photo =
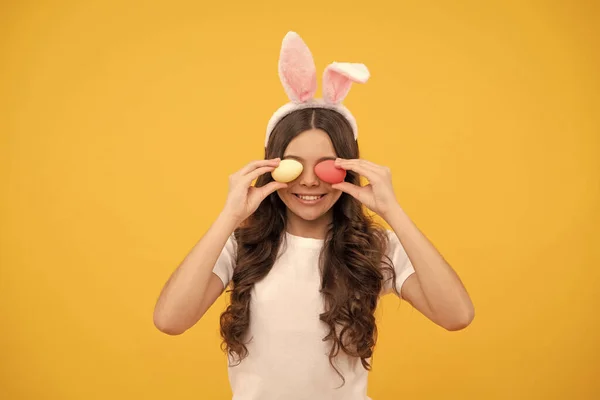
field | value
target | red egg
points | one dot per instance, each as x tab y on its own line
328	172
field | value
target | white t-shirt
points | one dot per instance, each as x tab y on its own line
287	357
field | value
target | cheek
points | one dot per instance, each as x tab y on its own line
335	196
286	196
282	193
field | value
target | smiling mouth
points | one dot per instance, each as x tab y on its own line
309	198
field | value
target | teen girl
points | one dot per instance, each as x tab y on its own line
305	265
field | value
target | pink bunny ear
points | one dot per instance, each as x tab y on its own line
338	78
297	69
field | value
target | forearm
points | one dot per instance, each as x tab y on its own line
442	288
181	297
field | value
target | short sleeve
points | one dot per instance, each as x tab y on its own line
226	262
400	261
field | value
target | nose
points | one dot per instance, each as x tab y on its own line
308	178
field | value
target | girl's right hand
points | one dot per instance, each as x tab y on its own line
243	198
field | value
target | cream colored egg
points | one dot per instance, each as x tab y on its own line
287	171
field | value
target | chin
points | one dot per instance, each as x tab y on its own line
308	215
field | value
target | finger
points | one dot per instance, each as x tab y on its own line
358	167
269	188
381	170
365	163
376	170
256	173
257	164
347	187
373	165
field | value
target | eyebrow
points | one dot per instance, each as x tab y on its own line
302	159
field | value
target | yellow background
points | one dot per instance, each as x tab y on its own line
120	122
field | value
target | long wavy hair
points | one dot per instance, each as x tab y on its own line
353	260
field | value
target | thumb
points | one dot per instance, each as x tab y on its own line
269	188
347	187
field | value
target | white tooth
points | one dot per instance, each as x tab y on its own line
309	198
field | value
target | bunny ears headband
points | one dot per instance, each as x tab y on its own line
298	76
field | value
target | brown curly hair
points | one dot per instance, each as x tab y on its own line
353	262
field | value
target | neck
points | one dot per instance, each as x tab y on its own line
316	229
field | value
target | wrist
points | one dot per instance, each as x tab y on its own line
229	219
393	213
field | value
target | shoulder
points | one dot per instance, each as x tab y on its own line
390	234
233	238
230	249
400	263
226	262
393	242
232	243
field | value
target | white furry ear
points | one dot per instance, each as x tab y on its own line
338	78
297	70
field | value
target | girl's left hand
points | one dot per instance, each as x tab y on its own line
378	195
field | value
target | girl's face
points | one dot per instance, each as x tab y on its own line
307	196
